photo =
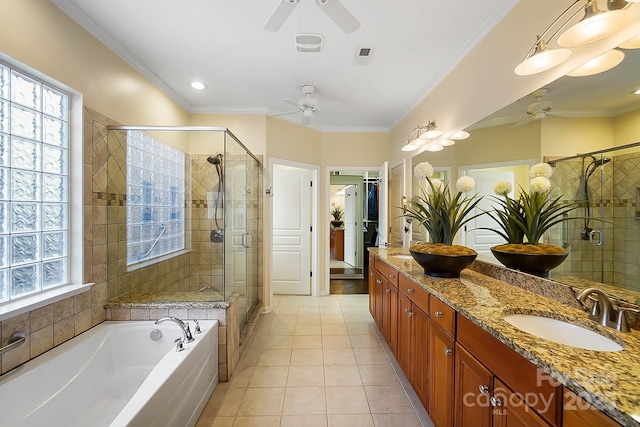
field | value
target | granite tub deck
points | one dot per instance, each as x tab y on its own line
206	305
609	379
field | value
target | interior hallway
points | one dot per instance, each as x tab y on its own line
316	362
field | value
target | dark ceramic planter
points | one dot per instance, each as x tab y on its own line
337	224
536	264
438	265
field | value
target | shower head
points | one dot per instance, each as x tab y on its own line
591	167
215	160
602	161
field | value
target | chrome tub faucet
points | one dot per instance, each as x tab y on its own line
184	326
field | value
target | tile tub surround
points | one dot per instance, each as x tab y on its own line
188	306
609	379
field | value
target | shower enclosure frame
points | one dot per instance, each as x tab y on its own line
241	199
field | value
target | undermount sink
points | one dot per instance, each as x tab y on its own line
402	256
562	332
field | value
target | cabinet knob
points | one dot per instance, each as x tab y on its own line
379	282
392	276
411	314
496	401
406	310
438	314
409	291
484	389
448	352
387	290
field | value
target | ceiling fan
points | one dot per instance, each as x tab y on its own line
333	8
538	110
307	105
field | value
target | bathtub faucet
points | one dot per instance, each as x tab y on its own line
186	332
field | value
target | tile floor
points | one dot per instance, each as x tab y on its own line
315	362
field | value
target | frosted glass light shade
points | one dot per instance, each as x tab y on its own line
599	64
632	43
461	134
596	25
544	59
433	133
435	147
447	142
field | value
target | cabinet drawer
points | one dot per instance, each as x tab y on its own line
577	412
393	276
382	267
443	315
415	292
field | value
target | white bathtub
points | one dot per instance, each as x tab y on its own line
115	375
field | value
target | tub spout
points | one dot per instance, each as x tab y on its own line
186	332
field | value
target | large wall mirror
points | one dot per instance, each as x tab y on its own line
589	129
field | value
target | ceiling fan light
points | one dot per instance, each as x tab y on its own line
198	85
632	43
595	25
543	59
461	134
599	64
447	142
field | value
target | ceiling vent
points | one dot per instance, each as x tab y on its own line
308	42
363	56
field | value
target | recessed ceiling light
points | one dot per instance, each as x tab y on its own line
198	85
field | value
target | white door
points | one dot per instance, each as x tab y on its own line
396	222
483	240
291	231
383	205
350	224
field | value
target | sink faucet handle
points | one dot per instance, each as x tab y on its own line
621	324
197	328
179	344
187	331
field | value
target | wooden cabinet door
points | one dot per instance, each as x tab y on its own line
393	320
379	291
372	288
577	412
473	391
441	378
386	311
404	334
510	411
419	371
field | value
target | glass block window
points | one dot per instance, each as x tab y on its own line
34	157
156	198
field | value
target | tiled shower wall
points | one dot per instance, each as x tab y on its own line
621	237
53	324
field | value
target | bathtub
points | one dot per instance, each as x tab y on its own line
115	375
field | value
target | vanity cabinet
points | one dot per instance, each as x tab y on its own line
473	391
577	412
413	344
383	301
441	373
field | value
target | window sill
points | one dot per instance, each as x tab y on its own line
26	304
141	264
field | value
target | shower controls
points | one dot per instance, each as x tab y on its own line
217	236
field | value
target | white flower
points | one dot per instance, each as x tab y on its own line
539	184
502	188
541	169
464	184
438	186
423	170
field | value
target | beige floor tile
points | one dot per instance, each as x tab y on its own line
260	421
365	341
250	357
308	310
284	319
328	319
328	301
303	421
215	422
286	311
262	401
281	329
308	330
305	376
330	310
306	356
378	375
308	341
289	302
269	376
370	356
334	329
342	375
361	329
274	358
304	401
338	356
352	420
336	341
224	401
388	399
357	318
241	376
395	420
308	319
362	310
282	342
346	400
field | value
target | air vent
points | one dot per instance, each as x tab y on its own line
363	56
308	42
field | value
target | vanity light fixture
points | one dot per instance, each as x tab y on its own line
447	142
435	147
198	85
632	43
461	134
595	25
432	131
599	64
636	92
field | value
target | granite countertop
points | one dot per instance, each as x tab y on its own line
610	379
189	299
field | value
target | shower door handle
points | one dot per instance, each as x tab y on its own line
247	237
592	234
566	232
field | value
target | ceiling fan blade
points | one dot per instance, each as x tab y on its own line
285	114
339	14
291	101
280	15
522	122
561	114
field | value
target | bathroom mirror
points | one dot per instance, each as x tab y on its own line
568	117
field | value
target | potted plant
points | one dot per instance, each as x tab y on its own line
442	214
337	213
524	220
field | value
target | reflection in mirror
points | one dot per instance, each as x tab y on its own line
573	117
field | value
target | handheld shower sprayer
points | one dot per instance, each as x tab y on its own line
217	235
587	173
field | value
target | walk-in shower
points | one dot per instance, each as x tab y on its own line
604	247
183	209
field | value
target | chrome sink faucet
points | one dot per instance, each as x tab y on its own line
604	312
184	326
